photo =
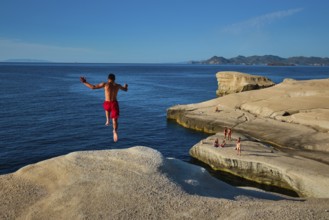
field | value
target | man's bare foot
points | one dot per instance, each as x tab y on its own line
115	136
107	123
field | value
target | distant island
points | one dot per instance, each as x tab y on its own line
26	61
269	60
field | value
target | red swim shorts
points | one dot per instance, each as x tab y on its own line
112	107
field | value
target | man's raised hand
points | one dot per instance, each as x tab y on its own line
83	79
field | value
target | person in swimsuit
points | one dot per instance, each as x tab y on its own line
229	134
225	133
238	146
223	143
111	105
216	144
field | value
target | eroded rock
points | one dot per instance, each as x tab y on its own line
134	183
292	114
235	82
262	164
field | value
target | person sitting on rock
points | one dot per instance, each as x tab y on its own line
223	143
216	144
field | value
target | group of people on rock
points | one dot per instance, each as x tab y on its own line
216	143
228	135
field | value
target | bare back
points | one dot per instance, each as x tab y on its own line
111	91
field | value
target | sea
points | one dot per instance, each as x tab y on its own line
47	112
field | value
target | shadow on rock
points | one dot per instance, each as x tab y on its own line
196	180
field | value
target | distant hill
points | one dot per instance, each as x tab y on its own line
26	61
269	60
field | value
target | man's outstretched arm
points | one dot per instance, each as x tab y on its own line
124	87
91	86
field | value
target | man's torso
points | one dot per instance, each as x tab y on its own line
111	90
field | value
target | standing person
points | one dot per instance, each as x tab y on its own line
110	105
225	133
229	134
238	146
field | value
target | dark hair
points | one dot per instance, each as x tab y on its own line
111	76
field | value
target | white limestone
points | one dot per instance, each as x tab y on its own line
136	183
235	82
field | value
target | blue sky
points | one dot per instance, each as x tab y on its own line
151	31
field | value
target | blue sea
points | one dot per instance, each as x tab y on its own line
46	112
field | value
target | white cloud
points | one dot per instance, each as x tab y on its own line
260	21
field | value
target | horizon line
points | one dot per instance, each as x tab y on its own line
27	60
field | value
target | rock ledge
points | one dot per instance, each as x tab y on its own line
137	183
265	165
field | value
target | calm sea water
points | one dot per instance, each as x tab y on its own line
46	111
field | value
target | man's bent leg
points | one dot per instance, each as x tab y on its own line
115	128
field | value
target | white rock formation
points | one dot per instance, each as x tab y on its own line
137	183
262	164
293	114
234	82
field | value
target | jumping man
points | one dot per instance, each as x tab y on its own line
111	105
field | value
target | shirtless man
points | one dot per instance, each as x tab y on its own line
111	105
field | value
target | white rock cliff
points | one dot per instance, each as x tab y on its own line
235	82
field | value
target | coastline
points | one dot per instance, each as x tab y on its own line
291	115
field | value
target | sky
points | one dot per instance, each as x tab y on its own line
161	31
